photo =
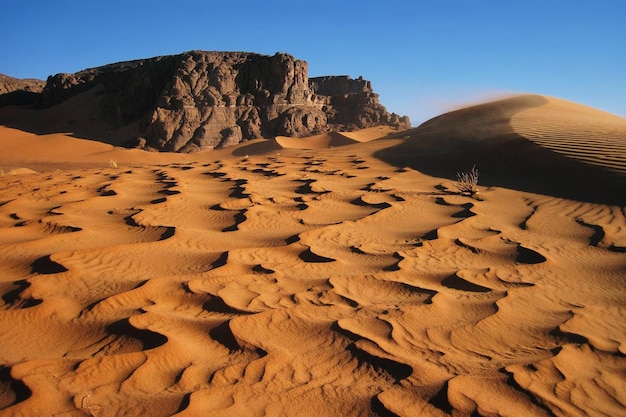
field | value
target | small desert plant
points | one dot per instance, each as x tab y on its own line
466	182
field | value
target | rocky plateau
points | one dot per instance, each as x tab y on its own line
199	100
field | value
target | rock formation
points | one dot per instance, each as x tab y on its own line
15	91
204	100
352	104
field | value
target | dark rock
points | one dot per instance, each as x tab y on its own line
352	104
16	91
130	89
301	121
203	100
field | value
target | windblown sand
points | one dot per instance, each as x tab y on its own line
312	277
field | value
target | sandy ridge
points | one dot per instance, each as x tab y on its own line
580	132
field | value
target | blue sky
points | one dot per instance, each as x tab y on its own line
422	57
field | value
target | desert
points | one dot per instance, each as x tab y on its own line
335	273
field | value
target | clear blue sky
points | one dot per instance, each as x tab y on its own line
422	57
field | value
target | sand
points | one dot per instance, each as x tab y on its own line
321	276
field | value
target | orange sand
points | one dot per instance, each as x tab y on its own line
286	277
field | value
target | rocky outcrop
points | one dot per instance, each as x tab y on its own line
17	91
204	100
352	104
215	99
129	90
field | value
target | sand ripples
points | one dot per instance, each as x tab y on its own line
334	284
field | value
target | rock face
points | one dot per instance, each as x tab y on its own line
16	91
204	100
352	104
219	99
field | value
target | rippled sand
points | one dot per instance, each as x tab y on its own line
284	278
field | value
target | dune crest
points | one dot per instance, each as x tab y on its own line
271	280
529	143
579	132
334	139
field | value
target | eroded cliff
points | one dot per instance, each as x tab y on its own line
203	100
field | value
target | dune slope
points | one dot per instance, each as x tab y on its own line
529	142
304	282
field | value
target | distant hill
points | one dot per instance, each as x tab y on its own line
19	91
199	101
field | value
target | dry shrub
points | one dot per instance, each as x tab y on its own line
466	182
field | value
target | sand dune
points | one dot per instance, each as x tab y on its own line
61	150
333	139
80	115
530	143
579	132
282	278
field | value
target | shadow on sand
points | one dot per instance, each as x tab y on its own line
483	136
